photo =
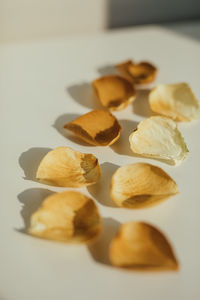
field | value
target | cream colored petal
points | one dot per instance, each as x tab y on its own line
66	167
176	101
140	246
159	137
98	127
140	73
114	92
66	217
141	185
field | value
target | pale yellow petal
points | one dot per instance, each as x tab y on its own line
159	137
66	167
176	101
141	185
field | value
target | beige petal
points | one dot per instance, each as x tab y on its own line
98	127
176	101
141	73
159	137
66	217
114	92
140	246
66	167
141	185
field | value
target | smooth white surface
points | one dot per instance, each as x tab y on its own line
34	78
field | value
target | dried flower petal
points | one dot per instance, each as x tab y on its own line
159	137
176	101
66	217
66	167
114	92
141	73
98	127
141	185
140	246
123	68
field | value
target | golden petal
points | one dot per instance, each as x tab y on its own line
159	137
141	73
66	217
140	246
176	101
123	68
141	185
98	127
66	167
114	92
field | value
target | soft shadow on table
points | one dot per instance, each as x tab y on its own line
99	250
59	126
101	190
31	199
30	160
84	94
141	105
122	145
107	70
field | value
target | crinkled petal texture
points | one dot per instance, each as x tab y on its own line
98	127
159	137
66	217
140	246
114	92
66	167
141	185
141	73
176	101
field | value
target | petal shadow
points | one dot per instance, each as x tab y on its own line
31	200
30	160
141	105
108	70
59	126
99	250
84	94
101	190
122	146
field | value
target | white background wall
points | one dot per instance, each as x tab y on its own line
27	19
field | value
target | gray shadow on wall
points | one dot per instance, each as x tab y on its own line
122	13
189	29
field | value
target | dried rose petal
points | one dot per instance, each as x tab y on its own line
98	127
67	217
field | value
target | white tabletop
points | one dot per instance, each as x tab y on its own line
44	84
